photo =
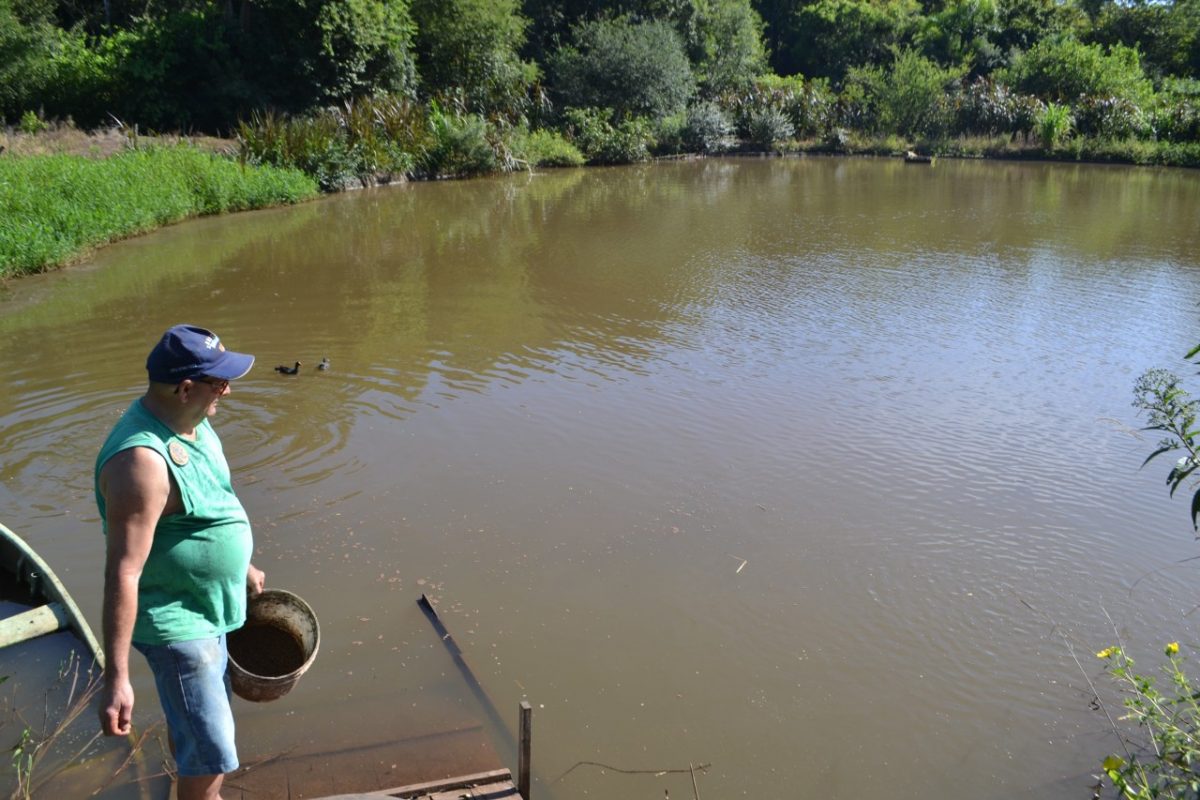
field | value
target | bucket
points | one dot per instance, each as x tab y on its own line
274	648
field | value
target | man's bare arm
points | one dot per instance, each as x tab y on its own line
136	489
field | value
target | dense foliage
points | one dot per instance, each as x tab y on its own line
613	80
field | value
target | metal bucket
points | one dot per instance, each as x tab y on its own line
274	648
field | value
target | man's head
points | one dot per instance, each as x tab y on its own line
188	352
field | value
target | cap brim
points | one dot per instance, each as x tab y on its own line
230	366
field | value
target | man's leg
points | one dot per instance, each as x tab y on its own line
194	692
199	787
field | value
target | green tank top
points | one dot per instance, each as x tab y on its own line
194	582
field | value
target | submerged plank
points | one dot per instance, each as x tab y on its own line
365	769
492	785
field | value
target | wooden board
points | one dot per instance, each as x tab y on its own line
365	768
492	785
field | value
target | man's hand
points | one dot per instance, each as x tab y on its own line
116	707
255	580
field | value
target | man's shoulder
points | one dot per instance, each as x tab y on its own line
135	460
132	432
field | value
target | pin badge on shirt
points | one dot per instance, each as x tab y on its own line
178	454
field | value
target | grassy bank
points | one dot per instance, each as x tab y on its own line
55	208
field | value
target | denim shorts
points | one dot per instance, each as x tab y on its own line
193	688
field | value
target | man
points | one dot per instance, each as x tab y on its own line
177	568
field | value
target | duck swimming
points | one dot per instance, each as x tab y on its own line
288	370
324	365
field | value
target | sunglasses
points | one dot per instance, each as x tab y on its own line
218	384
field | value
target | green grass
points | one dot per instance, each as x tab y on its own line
54	209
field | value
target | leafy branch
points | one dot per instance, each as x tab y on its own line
1169	408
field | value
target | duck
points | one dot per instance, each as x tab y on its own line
324	365
288	370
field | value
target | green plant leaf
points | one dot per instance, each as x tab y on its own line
1192	353
1181	476
1159	452
1113	763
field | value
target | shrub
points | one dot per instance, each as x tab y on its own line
1177	121
1166	766
602	142
707	130
546	148
769	128
31	123
339	146
635	69
668	134
1176	116
1054	125
990	108
912	97
1111	117
808	105
458	146
855	109
316	145
984	107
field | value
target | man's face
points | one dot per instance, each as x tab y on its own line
208	391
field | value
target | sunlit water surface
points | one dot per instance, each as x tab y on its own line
813	470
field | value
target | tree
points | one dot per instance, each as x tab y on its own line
831	36
778	28
961	33
1166	34
300	53
633	68
472	47
727	50
1023	23
1064	69
27	39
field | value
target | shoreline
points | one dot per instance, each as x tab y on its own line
217	150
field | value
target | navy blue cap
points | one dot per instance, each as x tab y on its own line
186	351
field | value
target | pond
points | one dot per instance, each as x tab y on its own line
813	470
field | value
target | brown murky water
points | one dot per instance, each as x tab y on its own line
791	467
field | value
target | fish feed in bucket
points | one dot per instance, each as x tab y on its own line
274	648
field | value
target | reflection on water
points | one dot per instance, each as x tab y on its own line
789	466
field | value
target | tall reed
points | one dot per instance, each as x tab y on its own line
54	208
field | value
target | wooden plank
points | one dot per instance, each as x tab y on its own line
494	785
364	768
468	674
499	790
523	754
33	623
